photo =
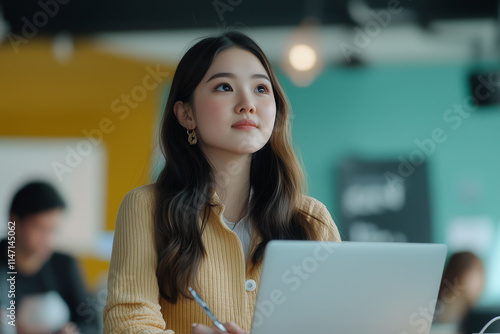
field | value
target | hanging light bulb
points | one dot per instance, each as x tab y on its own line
302	61
302	57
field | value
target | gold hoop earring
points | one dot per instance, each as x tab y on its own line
192	137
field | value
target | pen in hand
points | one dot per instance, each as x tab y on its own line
207	310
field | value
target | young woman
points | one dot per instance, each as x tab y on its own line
231	183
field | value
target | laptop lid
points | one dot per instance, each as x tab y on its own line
348	287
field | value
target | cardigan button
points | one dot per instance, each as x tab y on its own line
250	285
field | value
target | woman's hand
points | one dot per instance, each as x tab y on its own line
231	327
69	328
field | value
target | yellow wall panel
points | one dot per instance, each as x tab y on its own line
114	100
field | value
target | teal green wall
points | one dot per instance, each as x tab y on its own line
378	112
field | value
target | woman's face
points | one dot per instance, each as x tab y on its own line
233	106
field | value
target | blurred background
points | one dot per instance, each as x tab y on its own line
396	111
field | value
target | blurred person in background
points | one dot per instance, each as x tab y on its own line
461	286
49	288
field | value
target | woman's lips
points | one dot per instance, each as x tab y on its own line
247	124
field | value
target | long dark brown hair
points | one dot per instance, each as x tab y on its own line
184	186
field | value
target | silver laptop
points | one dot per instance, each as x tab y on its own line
312	287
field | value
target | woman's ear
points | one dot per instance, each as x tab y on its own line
184	114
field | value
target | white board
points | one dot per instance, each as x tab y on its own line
75	167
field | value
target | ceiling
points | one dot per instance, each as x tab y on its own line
159	30
93	16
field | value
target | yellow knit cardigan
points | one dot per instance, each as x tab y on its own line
134	304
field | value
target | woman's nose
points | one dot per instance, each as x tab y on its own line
245	105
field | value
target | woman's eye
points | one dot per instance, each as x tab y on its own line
224	87
261	89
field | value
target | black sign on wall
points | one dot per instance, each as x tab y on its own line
384	201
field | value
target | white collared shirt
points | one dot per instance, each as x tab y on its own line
243	230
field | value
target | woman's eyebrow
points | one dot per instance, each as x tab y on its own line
263	76
231	75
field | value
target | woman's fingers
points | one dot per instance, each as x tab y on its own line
202	329
231	327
